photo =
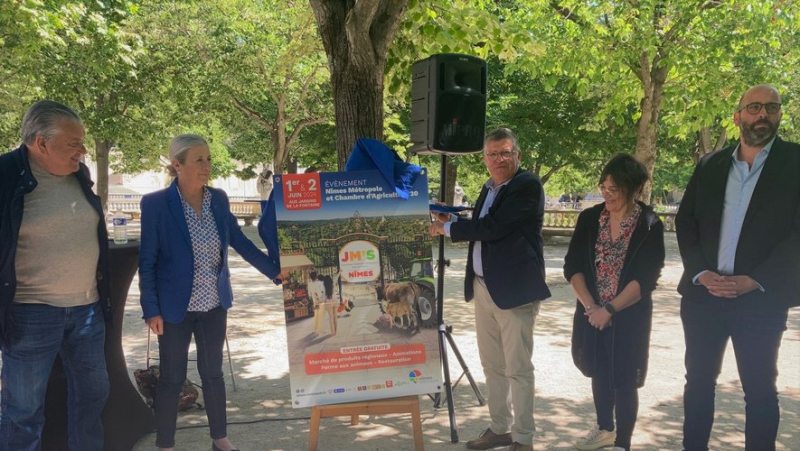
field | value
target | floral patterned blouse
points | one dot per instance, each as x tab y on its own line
610	253
207	251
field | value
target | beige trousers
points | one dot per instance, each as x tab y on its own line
505	345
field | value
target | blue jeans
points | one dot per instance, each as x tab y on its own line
173	348
40	332
756	336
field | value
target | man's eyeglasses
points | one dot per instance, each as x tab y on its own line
755	107
504	155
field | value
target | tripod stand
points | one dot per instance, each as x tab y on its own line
445	331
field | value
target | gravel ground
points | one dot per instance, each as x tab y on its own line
261	417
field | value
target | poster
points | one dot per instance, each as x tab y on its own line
359	293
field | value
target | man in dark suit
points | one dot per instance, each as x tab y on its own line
740	245
506	277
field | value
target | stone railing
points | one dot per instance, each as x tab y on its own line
247	211
562	222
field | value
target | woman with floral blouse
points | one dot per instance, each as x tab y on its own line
613	264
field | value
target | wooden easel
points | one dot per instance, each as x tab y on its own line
406	404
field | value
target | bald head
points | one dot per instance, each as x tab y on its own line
758	89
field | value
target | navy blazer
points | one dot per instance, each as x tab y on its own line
769	244
166	259
511	242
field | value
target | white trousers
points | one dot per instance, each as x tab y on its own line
505	345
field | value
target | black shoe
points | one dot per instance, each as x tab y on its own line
214	447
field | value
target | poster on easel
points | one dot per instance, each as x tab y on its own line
358	291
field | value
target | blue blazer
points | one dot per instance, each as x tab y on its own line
166	260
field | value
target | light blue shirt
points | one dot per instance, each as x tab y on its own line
742	181
477	260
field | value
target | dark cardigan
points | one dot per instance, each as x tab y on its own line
630	330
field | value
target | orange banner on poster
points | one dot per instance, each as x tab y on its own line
302	191
339	362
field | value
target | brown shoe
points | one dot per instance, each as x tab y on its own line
489	440
520	447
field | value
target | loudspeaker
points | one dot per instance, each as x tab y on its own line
448	105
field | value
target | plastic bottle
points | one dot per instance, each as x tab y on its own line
120	228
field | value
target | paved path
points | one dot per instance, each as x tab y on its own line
262	417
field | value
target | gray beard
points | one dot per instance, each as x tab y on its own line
757	137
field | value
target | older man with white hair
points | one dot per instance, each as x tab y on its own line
54	293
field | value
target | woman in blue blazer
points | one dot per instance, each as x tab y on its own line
185	285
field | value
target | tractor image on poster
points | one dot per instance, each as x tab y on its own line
422	275
403	286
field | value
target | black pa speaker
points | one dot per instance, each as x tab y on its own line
448	104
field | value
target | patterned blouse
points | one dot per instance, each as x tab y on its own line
610	253
207	251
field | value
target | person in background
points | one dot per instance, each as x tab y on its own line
505	276
740	245
184	280
54	281
613	263
331	303
316	291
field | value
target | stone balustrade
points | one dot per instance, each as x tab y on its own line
562	222
247	211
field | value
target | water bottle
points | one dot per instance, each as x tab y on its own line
120	228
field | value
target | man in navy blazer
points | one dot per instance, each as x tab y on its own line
738	230
506	278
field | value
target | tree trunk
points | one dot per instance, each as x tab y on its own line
653	79
356	36
704	142
101	150
452	177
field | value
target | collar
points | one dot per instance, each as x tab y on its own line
765	150
489	184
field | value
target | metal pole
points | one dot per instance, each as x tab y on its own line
448	388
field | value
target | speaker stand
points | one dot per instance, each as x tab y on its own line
445	331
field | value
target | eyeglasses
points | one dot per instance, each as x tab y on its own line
610	191
755	107
504	155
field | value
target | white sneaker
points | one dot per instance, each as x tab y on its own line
617	448
596	439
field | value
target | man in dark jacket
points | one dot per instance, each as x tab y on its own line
506	277
53	281
740	245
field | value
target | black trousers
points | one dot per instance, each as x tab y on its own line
608	401
208	329
756	337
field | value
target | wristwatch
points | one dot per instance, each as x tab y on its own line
610	309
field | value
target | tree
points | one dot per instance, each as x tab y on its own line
256	67
97	65
356	35
676	56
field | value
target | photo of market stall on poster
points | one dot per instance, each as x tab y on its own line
358	287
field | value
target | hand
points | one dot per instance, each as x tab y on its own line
441	217
598	317
740	285
436	228
729	287
156	324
